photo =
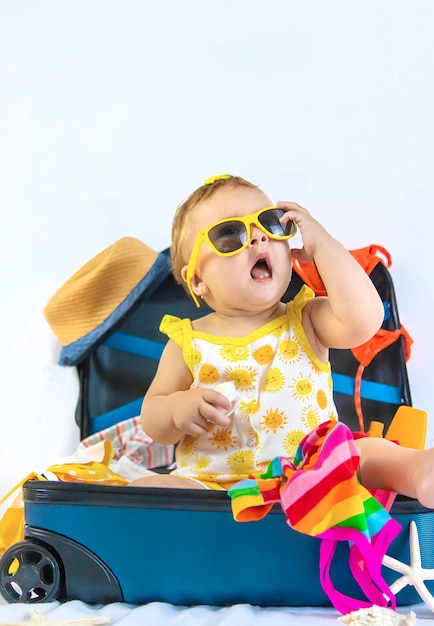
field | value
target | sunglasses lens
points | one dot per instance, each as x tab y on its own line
270	220
228	237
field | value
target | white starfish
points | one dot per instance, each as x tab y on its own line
39	619
413	574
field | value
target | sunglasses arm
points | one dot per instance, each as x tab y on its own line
190	270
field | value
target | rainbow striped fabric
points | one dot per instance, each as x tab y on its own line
321	496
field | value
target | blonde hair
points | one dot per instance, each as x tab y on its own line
180	220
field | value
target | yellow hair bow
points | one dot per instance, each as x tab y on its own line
213	179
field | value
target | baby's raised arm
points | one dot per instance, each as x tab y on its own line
172	409
353	312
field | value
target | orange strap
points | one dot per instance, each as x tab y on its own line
366	352
368	258
382	339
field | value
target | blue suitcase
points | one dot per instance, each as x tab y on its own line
104	544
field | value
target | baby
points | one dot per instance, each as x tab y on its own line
230	249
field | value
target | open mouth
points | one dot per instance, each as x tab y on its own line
261	270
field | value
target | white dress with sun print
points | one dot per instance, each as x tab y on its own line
285	392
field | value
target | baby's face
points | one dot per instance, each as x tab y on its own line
252	279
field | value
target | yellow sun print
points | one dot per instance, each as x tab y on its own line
263	465
222	438
241	462
332	416
301	387
291	441
289	351
208	374
201	463
244	378
309	417
188	446
321	398
248	407
273	420
263	355
234	353
274	381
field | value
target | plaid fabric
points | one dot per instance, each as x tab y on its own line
129	439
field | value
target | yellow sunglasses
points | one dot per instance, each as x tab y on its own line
231	236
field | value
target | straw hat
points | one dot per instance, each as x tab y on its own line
84	310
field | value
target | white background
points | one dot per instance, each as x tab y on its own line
112	111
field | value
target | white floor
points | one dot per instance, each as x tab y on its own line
160	614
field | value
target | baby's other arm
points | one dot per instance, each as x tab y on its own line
353	312
172	409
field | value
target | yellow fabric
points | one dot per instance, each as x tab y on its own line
92	471
12	522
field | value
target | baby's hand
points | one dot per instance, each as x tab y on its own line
312	232
200	409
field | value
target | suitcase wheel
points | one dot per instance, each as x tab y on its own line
30	573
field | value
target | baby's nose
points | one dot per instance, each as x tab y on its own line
257	235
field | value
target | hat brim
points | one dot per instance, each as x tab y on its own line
77	351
